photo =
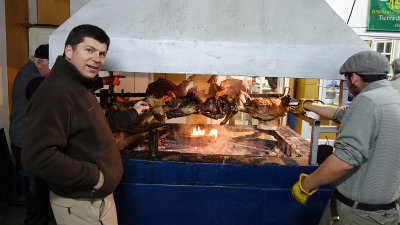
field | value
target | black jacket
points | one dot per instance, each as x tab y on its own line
68	139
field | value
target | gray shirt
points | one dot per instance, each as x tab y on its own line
339	114
369	139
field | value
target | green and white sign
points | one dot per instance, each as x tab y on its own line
384	15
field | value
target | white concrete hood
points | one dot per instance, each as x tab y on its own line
284	38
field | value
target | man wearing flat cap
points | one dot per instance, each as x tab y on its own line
37	66
38	211
364	169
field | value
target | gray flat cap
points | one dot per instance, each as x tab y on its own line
366	63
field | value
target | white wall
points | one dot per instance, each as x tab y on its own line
75	5
359	18
4	111
359	15
32	5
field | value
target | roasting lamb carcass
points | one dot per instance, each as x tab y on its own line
214	87
160	106
264	109
162	87
218	108
222	101
167	99
231	87
185	106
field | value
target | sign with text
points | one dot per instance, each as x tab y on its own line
384	15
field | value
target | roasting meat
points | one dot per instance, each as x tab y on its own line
212	90
168	106
146	119
214	87
223	101
160	106
218	108
162	87
228	87
183	85
264	109
167	99
231	87
185	106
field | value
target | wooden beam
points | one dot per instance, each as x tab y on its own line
53	12
17	20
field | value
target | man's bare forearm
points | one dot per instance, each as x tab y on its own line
326	111
332	169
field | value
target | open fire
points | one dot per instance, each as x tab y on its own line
231	144
222	141
199	132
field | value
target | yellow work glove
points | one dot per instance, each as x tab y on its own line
298	192
299	109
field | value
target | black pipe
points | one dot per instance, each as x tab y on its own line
153	143
107	94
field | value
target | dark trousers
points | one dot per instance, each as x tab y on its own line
38	210
16	151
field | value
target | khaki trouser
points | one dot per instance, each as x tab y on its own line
352	216
68	211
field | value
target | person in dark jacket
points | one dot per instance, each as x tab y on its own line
37	67
68	140
28	79
38	210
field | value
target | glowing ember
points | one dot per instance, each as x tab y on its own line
200	132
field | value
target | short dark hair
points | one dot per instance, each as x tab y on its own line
348	76
372	78
77	35
367	78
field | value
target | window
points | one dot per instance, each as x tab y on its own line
385	47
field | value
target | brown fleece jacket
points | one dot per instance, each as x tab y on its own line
68	139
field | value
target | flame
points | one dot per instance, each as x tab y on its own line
200	132
213	132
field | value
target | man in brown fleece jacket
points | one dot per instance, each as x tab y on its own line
68	141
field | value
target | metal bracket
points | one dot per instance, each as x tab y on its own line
317	128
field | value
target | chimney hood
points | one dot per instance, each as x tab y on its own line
282	38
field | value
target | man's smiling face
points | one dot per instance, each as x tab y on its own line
88	56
